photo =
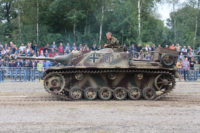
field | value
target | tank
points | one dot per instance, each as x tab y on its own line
110	74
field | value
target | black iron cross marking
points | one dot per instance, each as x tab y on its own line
94	57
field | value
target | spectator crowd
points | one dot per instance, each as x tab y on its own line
187	57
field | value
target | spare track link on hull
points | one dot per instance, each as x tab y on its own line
61	95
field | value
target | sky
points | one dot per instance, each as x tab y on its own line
165	9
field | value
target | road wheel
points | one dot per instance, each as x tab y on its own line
90	93
134	93
105	93
120	93
76	93
149	93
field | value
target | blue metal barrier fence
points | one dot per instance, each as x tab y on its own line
23	74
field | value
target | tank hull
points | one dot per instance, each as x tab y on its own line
110	83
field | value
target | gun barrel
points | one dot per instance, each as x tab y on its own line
35	58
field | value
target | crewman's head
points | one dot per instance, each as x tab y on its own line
108	35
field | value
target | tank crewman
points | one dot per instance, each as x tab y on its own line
112	42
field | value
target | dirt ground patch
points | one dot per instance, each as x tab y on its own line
26	107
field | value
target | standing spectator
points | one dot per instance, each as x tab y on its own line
33	66
153	47
6	46
38	54
34	47
74	46
80	48
54	46
192	63
178	48
1	74
172	47
184	50
67	51
19	65
179	66
47	48
12	68
60	49
40	69
26	66
196	68
68	47
21	48
86	48
46	54
186	68
198	53
94	47
147	48
166	46
148	56
139	47
132	50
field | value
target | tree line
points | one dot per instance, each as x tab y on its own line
87	21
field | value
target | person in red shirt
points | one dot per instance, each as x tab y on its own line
60	49
52	53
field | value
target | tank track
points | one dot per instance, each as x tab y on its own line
63	96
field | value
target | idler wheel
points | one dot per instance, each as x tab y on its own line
90	93
76	93
105	93
149	93
54	82
120	93
164	81
134	93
